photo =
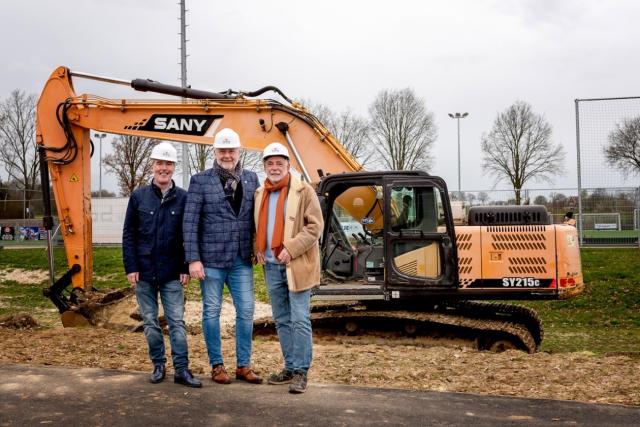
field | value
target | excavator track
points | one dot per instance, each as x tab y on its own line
491	326
525	316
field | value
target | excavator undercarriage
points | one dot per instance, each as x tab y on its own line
487	326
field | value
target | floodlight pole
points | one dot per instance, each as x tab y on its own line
458	116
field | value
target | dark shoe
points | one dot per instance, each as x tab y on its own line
185	377
282	377
158	374
247	374
219	375
298	383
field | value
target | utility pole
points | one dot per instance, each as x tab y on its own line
186	170
458	116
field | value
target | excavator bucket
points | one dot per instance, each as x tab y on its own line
72	319
115	309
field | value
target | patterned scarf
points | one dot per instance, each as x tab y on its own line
277	239
230	178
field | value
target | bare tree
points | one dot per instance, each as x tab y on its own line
130	162
350	129
540	200
200	157
519	148
251	160
402	130
623	151
457	196
18	151
483	197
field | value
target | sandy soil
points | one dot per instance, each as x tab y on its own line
375	361
26	277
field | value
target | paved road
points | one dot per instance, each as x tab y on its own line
35	395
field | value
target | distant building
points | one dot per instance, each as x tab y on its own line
108	219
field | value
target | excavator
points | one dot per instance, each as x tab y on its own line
394	254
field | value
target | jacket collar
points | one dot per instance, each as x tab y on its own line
158	192
295	184
295	188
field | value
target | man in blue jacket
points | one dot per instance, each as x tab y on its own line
218	237
153	256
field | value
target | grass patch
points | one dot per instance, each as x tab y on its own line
611	233
16	297
606	317
32	259
108	271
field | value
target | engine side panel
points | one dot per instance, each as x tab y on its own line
514	258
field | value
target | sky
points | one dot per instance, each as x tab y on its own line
475	56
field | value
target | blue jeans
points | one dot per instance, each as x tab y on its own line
173	304
291	313
239	280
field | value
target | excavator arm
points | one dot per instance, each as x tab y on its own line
65	119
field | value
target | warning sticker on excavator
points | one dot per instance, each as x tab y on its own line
74	178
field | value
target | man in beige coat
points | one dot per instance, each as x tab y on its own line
289	224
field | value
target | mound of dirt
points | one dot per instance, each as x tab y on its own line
117	309
18	321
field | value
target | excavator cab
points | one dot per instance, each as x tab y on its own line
399	245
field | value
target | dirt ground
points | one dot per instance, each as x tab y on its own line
375	361
24	276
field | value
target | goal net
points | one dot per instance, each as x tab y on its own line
601	221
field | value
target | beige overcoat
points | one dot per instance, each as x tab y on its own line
302	229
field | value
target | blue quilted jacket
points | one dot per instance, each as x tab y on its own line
213	234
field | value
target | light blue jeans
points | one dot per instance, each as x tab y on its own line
291	313
239	280
173	304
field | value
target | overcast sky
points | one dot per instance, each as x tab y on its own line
476	56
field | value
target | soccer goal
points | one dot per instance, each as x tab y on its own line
601	221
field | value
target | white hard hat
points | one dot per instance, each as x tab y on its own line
165	151
226	138
275	149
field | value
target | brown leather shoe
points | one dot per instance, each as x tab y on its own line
219	375
247	374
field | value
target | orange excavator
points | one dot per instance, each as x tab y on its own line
391	245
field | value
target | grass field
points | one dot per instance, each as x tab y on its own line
606	318
610	234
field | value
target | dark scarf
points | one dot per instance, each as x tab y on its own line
229	179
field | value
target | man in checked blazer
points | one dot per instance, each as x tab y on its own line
218	239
